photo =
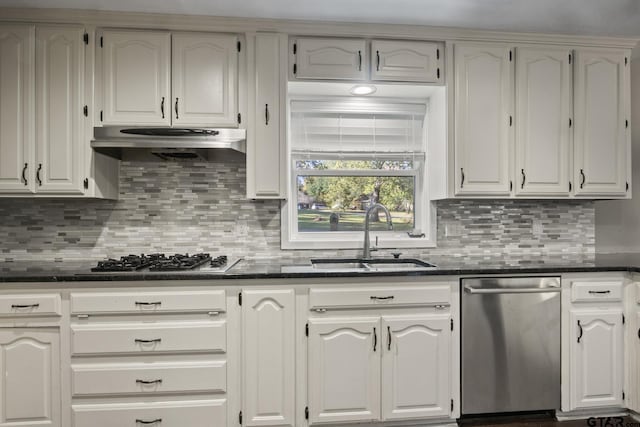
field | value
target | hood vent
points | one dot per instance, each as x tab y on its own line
145	143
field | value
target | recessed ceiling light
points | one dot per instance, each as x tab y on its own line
362	90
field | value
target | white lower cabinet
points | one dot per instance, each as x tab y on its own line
30	378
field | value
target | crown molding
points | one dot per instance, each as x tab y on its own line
299	27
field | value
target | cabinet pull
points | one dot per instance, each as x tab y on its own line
377	60
25	305
154	341
600	292
145	382
24	173
156	421
584	178
359	60
375	298
162	107
38	174
462	173
176	108
524	178
154	303
375	339
389	338
579	326
266	114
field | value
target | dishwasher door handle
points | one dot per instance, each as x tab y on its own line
471	290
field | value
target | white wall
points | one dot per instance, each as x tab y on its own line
618	222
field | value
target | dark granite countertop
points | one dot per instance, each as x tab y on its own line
76	271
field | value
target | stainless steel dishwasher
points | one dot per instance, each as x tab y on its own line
510	344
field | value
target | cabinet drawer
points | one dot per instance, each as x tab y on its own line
139	378
144	338
200	413
596	291
30	304
380	297
147	302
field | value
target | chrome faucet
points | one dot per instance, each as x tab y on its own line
366	250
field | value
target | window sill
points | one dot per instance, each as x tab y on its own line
353	241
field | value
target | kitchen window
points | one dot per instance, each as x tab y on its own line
347	154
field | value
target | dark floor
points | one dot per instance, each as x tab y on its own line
538	420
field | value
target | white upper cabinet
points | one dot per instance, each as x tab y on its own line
483	104
416	367
542	121
402	60
59	100
602	138
205	69
136	77
16	107
330	59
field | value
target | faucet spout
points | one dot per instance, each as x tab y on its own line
366	250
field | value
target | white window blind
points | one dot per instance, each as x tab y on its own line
356	126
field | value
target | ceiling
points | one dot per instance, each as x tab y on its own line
587	17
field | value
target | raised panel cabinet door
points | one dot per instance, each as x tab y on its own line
136	77
268	357
205	79
597	358
416	367
483	101
602	139
265	154
344	370
330	59
17	83
543	114
59	100
409	61
30	378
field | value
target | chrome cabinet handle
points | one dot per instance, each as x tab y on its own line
584	178
359	60
162	107
375	339
462	174
266	114
579	326
157	420
25	305
24	173
524	178
375	298
389	338
471	290
176	108
154	303
600	292
377	60
144	382
38	174
139	341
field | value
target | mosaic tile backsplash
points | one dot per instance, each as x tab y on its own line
201	206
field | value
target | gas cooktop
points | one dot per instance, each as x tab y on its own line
202	262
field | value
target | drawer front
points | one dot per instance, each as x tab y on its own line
137	378
157	338
147	302
380	297
596	291
30	305
201	413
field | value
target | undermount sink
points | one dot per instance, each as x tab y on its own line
375	264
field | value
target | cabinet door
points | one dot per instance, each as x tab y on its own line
268	346
204	72
59	100
136	77
30	377
483	98
596	358
416	367
543	111
409	61
265	154
602	141
330	59
16	108
344	370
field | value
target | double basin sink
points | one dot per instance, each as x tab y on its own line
369	265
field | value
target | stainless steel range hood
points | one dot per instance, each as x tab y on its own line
147	143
